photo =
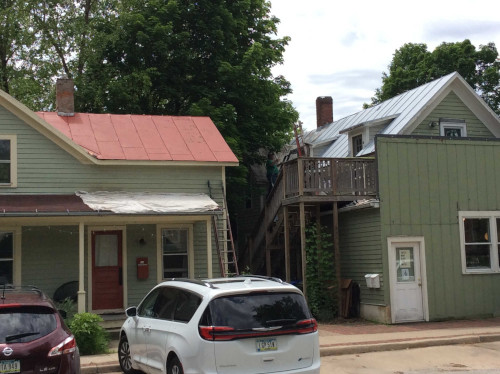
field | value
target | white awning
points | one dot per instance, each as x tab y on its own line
147	202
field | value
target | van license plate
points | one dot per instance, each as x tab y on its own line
264	345
10	366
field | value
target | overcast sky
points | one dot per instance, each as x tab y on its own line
341	48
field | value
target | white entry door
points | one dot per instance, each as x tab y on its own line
407	275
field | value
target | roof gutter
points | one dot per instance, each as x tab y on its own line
96	214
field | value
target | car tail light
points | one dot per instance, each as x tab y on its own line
216	332
224	333
307	326
67	346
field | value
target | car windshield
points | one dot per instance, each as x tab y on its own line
25	323
255	311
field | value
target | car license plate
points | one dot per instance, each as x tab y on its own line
10	366
264	345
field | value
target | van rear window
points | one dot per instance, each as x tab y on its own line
21	324
257	310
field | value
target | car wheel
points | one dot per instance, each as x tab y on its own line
124	356
174	366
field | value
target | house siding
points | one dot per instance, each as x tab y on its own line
56	254
361	251
453	107
423	183
44	167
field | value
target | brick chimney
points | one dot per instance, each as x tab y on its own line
65	100
324	110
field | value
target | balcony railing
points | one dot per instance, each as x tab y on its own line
330	177
323	179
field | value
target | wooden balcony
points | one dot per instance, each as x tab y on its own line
329	179
317	180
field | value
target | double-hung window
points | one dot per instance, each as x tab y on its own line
479	238
175	252
6	257
8	161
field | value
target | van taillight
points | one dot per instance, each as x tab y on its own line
224	333
67	346
216	332
307	326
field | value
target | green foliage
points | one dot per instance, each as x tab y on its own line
206	58
413	65
320	273
90	337
68	308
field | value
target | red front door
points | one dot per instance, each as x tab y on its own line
107	277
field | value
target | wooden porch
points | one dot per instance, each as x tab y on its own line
309	182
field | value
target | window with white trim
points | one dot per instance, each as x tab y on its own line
8	160
480	232
6	257
453	129
175	249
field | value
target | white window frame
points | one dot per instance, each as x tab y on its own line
13	161
492	217
190	252
453	125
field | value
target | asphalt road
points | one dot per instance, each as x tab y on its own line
481	358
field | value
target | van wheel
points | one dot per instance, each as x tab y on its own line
174	366
124	356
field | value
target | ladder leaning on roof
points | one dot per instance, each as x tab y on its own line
299	138
224	242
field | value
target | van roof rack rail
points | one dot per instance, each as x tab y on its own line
274	279
194	281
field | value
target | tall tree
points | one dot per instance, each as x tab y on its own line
205	57
413	65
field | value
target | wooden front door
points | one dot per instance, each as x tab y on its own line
107	277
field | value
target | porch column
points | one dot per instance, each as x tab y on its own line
287	244
81	268
303	246
336	248
209	249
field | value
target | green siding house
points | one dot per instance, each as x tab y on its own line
112	204
409	189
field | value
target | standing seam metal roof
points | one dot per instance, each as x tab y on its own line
403	107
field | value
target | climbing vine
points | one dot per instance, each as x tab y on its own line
320	273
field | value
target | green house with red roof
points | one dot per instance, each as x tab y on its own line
110	204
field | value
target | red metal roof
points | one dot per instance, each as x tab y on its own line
42	204
142	137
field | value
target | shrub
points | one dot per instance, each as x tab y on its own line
67	307
91	337
320	274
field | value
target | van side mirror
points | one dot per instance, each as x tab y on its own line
131	312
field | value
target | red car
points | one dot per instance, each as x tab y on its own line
33	335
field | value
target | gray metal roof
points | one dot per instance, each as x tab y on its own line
403	109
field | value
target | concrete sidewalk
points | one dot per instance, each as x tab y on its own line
358	336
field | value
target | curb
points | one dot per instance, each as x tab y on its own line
108	367
393	346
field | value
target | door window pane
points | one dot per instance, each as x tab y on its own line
106	250
405	264
6	257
